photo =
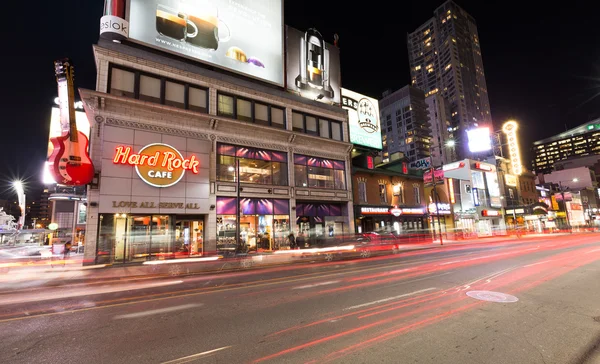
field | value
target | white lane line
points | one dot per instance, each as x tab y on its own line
186	359
542	262
591	251
316	285
83	291
388	299
157	311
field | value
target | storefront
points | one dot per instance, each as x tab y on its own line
153	196
390	218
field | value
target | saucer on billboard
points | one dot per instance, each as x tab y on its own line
367	117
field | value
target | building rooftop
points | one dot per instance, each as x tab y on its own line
593	125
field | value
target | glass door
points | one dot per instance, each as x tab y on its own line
189	237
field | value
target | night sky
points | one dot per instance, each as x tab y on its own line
542	63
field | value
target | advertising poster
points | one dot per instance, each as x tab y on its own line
313	66
83	126
363	119
242	36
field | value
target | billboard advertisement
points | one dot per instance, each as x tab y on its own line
242	36
479	139
313	66
83	126
363	119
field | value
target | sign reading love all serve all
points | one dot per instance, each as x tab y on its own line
159	165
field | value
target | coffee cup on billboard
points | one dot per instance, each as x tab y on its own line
171	23
205	29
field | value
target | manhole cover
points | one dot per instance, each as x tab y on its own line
492	296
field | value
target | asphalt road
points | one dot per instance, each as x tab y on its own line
531	300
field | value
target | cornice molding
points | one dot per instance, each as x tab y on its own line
156	128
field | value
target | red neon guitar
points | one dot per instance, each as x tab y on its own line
70	163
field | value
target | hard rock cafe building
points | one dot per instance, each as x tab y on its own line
166	139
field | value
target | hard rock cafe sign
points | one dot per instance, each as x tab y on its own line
159	165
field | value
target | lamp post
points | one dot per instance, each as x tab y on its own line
562	192
18	187
238	243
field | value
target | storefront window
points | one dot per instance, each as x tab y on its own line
316	221
130	238
256	165
319	173
264	224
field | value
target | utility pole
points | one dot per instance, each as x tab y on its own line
435	197
238	243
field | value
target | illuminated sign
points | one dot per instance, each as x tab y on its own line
424	163
451	190
396	211
370	163
510	129
452	166
53	226
479	139
242	36
484	167
312	65
363	119
159	165
56	130
515	211
374	210
439	208
437	174
510	180
490	213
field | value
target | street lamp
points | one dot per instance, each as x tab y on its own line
18	187
562	192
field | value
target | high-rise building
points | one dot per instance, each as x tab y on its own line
445	57
442	143
405	123
580	141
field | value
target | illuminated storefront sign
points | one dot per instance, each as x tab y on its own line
484	167
451	190
452	166
363	119
510	129
396	211
159	165
439	208
510	180
490	213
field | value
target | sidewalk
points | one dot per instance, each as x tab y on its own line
74	272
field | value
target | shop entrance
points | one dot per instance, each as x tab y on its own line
189	236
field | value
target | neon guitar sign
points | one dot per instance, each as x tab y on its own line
70	163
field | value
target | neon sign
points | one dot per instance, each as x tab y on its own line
510	129
159	165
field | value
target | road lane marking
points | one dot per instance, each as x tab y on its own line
65	293
389	299
187	359
157	311
316	285
542	262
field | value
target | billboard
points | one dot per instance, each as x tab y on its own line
83	126
479	139
421	164
363	119
242	36
313	66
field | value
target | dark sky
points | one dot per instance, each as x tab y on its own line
542	63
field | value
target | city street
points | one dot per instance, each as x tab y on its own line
532	300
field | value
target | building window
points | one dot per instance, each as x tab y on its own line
256	165
399	192
362	191
313	125
319	173
122	83
153	88
382	193
417	193
250	111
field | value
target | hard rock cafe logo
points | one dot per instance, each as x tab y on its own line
159	165
367	113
